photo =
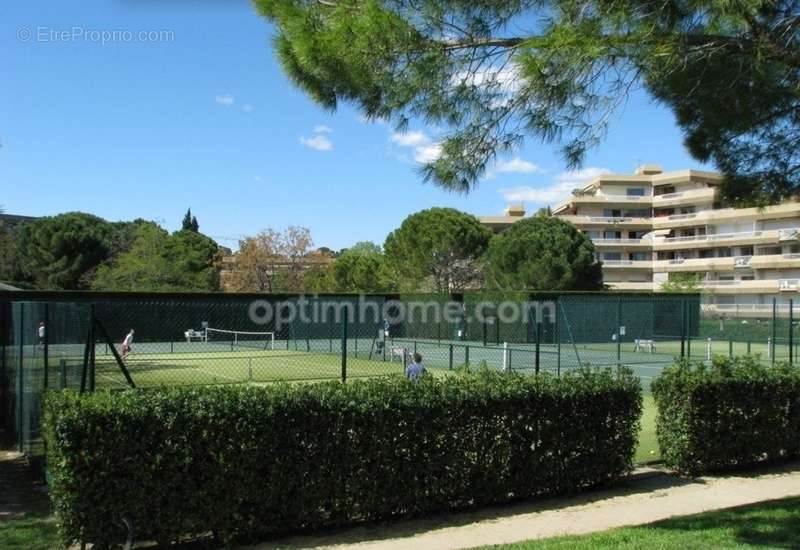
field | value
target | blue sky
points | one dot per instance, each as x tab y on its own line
198	113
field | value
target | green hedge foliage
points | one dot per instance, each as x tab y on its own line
248	461
731	413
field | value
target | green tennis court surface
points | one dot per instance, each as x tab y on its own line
204	363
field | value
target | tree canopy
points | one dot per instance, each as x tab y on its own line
439	246
158	261
361	268
542	253
189	222
61	252
493	73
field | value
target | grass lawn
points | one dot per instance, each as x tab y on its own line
774	524
648	445
31	532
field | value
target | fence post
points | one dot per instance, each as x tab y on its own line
46	344
538	344
619	331
774	325
730	347
708	349
683	327
92	351
344	344
748	347
451	357
62	367
466	355
791	332
20	377
558	339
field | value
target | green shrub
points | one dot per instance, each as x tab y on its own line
253	461
734	412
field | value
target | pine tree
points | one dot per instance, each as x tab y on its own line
186	225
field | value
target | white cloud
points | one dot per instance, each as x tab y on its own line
409	139
226	100
557	190
427	153
322	129
517	166
423	148
247	108
318	142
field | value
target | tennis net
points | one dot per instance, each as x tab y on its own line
239	338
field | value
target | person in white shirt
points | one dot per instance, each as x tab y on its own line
41	334
126	345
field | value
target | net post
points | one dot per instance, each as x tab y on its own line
46	344
344	344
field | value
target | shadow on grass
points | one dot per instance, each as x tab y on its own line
774	524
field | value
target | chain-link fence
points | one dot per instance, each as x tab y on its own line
89	341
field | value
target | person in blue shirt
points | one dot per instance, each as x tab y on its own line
415	370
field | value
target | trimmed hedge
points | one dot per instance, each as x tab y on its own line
253	461
734	412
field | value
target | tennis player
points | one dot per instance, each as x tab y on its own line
126	345
41	334
415	370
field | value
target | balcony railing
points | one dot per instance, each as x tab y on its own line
620	242
713	237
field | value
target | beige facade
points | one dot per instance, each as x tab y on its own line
650	225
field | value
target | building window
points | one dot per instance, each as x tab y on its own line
609	213
706	254
612	256
724	253
639	256
612	234
635	192
745	250
663	189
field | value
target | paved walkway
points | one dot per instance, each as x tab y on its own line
644	499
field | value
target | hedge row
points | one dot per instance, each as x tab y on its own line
253	461
734	412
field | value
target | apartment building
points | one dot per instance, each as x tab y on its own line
649	226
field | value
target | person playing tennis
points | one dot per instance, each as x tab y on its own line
126	345
415	370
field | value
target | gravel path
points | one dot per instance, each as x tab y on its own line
645	498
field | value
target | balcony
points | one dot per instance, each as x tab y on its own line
628	264
779	211
741	261
690	196
694	264
611	199
582	221
715	239
740	287
775	261
646	286
623	242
